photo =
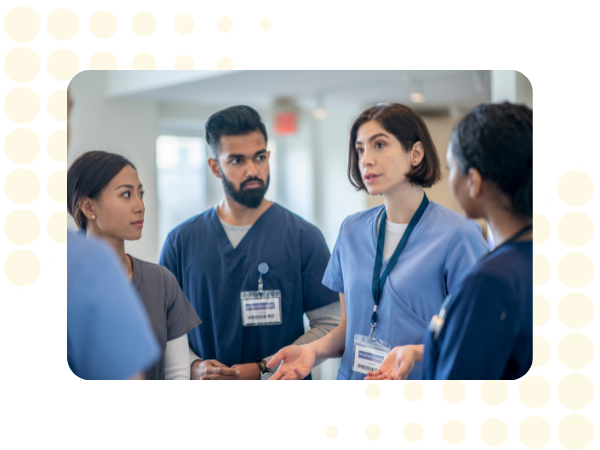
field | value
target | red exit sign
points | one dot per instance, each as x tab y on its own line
286	122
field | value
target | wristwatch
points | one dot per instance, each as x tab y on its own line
262	366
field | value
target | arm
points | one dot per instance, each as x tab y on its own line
298	361
176	359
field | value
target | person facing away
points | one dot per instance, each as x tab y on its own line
103	313
394	264
484	330
105	197
248	264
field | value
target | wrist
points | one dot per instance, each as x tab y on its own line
418	351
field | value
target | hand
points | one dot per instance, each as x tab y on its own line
200	370
398	363
296	362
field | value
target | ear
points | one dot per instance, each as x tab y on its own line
474	183
417	153
213	164
87	208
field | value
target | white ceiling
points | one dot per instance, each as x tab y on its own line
444	89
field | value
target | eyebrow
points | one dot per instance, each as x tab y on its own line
372	138
128	186
234	156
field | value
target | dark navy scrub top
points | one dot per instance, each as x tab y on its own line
488	328
213	274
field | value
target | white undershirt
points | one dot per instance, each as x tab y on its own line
393	234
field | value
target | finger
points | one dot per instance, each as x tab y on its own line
222	370
375	377
403	371
291	375
276	359
299	374
374	374
214	362
276	376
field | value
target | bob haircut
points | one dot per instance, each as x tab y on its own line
89	174
408	127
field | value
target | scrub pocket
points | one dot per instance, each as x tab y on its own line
405	308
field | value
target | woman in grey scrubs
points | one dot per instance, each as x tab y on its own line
105	197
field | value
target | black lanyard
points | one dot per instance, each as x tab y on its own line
379	278
437	321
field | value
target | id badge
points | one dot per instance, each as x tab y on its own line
369	354
261	308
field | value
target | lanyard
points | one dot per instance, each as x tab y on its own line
437	321
379	278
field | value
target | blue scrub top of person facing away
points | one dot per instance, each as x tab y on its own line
213	275
440	250
488	324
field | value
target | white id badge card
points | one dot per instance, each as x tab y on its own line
261	308
369	354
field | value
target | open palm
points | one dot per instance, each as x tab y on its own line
296	362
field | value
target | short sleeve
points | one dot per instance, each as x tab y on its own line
482	306
109	336
334	278
181	316
315	256
466	247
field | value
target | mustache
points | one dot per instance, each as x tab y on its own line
250	180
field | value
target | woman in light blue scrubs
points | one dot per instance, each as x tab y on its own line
394	264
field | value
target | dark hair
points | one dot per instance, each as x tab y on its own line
233	121
89	174
409	128
497	140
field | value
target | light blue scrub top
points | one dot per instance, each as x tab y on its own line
440	250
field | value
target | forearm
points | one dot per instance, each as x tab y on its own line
332	345
418	349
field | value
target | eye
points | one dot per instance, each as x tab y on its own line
360	150
380	145
127	194
235	161
262	157
142	194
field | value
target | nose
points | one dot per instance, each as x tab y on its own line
366	159
139	206
251	170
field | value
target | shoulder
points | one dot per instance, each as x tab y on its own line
155	271
445	221
192	225
362	218
293	221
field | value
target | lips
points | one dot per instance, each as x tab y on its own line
370	177
139	223
252	184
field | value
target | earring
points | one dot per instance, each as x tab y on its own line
93	217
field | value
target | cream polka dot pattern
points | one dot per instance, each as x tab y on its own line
494	392
22	146
62	65
225	64
575	351
332	432
22	24
413	432
62	24
22	105
22	65
265	24
575	432
184	62
143	24
22	186
103	24
143	61
413	391
184	24
454	432
575	391
372	391
541	310
103	60
494	432
372	432
535	391
225	24
541	270
57	146
575	188
22	227
541	351
57	186
57	227
22	268
454	391
541	229
575	270
575	229
575	310
57	105
535	432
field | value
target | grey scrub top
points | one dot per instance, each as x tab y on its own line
170	312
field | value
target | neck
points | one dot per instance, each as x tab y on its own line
402	202
237	215
505	225
118	246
